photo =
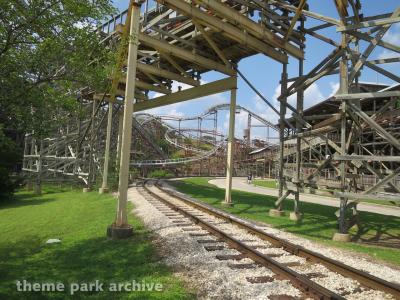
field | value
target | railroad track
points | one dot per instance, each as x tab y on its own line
181	209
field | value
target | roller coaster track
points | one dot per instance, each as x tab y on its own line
60	153
145	117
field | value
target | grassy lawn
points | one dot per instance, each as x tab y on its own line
83	256
265	183
319	222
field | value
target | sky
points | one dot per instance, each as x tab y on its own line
264	73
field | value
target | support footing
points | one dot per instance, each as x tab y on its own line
295	216
227	204
85	190
103	190
29	186
276	213
115	232
38	190
341	237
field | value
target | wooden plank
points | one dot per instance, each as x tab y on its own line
192	93
366	158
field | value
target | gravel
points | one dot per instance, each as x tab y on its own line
210	277
215	279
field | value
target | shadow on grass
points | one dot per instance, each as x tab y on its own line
94	259
319	220
23	200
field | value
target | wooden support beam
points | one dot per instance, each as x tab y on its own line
150	69
215	87
384	60
368	38
367	119
294	19
227	29
382	71
382	182
366	158
307	13
357	96
212	44
174	64
189	56
147	86
252	27
373	43
366	24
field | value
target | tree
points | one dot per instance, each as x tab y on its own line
49	51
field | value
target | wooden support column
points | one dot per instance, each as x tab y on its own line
300	106
282	112
344	88
120	228
230	149
119	144
104	185
91	153
38	184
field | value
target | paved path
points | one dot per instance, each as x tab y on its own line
241	185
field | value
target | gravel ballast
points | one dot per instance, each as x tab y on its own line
228	279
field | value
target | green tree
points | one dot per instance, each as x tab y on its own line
50	51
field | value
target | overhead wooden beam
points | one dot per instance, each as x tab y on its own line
294	19
384	60
307	13
252	27
147	86
150	69
382	71
185	54
356	96
226	29
212	44
215	87
368	38
369	24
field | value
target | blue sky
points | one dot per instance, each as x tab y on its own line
264	73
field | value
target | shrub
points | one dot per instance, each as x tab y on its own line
9	157
160	174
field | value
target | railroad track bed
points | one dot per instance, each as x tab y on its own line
222	260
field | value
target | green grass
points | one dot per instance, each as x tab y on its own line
265	183
272	184
319	222
85	254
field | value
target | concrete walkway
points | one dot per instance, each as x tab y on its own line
241	185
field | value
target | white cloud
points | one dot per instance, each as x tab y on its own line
335	87
312	96
393	35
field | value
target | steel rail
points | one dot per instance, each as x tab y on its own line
364	278
307	286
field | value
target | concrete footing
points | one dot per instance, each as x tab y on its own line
228	204
85	190
103	190
295	216
116	233
276	213
38	189
341	237
29	186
